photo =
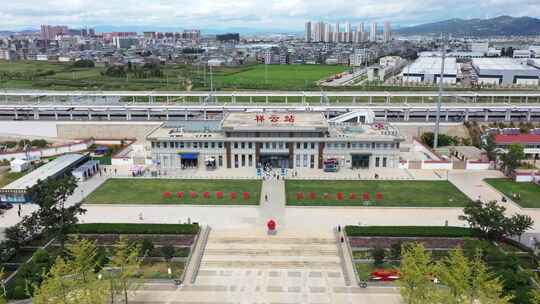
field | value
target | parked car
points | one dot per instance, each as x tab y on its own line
6	206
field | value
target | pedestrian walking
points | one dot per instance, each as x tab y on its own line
339	228
115	171
342	239
266	197
19	211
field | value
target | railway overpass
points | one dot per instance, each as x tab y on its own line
156	106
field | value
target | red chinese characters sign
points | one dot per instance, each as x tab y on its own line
274	119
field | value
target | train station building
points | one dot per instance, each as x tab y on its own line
277	140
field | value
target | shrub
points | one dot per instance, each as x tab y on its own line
146	247
378	255
135	229
84	63
395	250
410	231
167	252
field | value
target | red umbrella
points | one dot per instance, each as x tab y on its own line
219	195
180	194
299	195
206	194
246	195
167	194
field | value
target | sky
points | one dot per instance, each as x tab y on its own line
254	14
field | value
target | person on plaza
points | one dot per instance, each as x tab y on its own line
266	197
19	211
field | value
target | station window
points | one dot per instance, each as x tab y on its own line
297	160
377	162
354	145
305	146
213	145
220	160
220	145
250	160
181	144
188	144
297	145
312	145
243	145
206	145
236	160
384	162
153	144
250	145
243	160
235	145
274	145
195	145
280	145
158	144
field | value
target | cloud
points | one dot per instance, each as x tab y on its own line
258	14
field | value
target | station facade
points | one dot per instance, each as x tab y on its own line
276	140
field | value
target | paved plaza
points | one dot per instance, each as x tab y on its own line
302	263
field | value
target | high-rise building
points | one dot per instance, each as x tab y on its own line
373	32
328	36
49	32
307	36
387	34
337	36
359	35
348	33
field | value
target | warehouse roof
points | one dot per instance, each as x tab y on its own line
502	64
432	65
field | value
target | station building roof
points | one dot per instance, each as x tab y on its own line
50	169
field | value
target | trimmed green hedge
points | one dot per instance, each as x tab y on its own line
113	228
410	231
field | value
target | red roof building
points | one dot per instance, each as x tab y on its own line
517	139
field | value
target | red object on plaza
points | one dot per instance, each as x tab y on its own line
219	194
378	196
271	224
167	194
352	196
259	118
246	195
273	118
192	194
234	195
312	196
180	194
365	196
206	194
299	195
289	118
385	275
340	196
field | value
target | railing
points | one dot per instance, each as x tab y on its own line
200	254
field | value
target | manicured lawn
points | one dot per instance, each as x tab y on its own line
9	177
152	191
394	193
530	193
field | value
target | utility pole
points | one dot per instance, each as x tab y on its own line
439	100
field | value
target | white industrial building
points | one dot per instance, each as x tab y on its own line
506	71
428	70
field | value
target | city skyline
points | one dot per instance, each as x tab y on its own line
279	15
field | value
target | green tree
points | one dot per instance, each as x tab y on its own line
489	146
416	284
53	214
2	287
490	219
518	224
468	280
513	157
126	261
73	279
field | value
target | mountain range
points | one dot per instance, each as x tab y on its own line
498	26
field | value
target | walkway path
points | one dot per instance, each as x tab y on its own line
250	266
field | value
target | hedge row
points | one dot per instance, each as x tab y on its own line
113	228
410	231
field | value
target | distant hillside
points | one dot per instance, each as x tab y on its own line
499	26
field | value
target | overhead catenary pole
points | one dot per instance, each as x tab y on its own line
439	99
